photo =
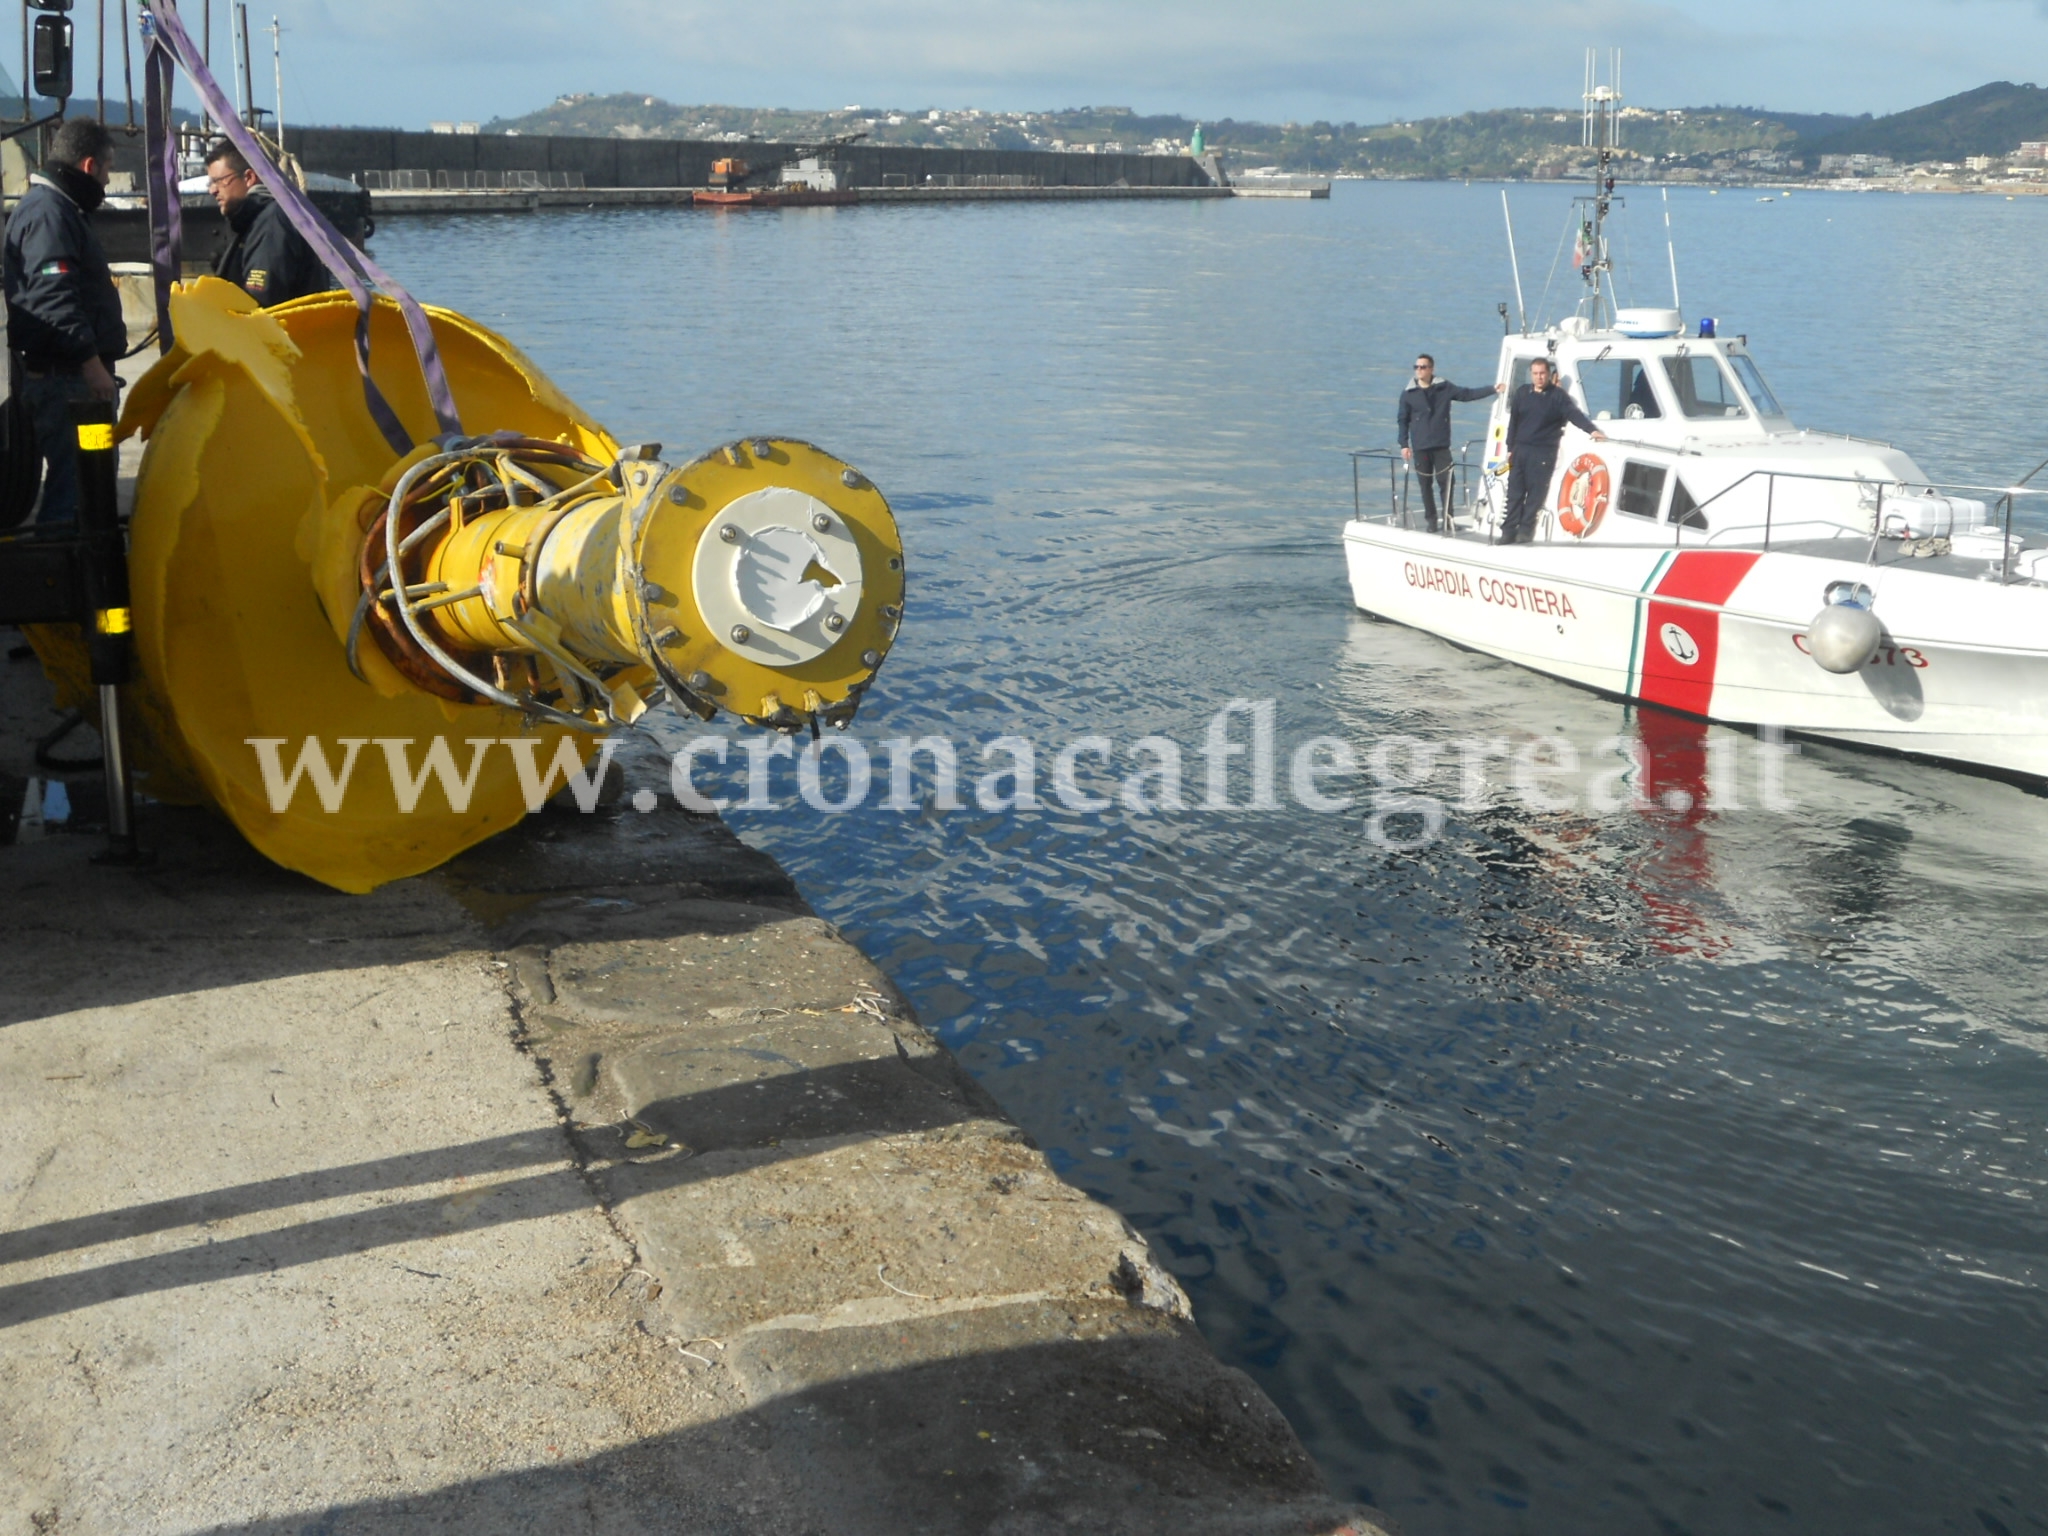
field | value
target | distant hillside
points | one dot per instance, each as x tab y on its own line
1510	142
1991	120
1517	142
1542	140
1811	125
632	116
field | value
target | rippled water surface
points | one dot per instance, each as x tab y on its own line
1643	1170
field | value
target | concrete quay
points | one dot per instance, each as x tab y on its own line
534	199
359	153
524	199
592	1184
1035	194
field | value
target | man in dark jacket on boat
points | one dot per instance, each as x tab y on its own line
1536	421
63	311
266	256
1425	420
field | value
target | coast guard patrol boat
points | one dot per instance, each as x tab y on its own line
1714	558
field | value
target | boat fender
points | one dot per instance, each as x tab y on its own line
1843	636
1582	497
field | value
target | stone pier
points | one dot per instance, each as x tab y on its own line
592	1184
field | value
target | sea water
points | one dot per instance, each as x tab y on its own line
1669	1157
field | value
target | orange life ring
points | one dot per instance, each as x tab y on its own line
1582	498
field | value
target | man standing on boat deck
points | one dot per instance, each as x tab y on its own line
267	258
63	311
1425	420
1536	421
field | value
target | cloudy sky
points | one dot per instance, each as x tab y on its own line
401	62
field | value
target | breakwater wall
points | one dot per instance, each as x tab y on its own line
349	152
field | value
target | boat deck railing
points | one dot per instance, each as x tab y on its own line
1402	486
1696	525
2001	498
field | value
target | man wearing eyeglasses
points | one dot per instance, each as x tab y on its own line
267	257
1425	420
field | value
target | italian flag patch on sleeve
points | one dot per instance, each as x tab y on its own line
55	269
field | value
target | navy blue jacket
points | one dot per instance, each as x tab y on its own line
1426	413
62	306
268	258
1536	422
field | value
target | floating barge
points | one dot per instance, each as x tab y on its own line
776	197
1281	186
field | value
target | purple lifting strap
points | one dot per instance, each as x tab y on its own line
166	212
169	42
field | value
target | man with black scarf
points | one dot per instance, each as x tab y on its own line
63	311
266	256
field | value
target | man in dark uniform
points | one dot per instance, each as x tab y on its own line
1536	421
266	256
1425	420
63	311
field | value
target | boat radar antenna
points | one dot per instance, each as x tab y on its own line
1600	131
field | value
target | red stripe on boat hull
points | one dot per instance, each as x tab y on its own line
1682	643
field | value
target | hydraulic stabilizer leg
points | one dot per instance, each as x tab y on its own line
109	624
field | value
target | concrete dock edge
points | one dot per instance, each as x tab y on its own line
533	200
591	1184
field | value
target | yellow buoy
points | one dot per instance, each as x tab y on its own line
371	663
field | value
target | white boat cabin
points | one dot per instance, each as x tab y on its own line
1701	451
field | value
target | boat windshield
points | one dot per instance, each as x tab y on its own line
1760	394
1618	387
1704	391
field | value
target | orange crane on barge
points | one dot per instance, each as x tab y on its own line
730	177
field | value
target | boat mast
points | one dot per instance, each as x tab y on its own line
235	62
251	117
277	73
1514	263
1600	131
